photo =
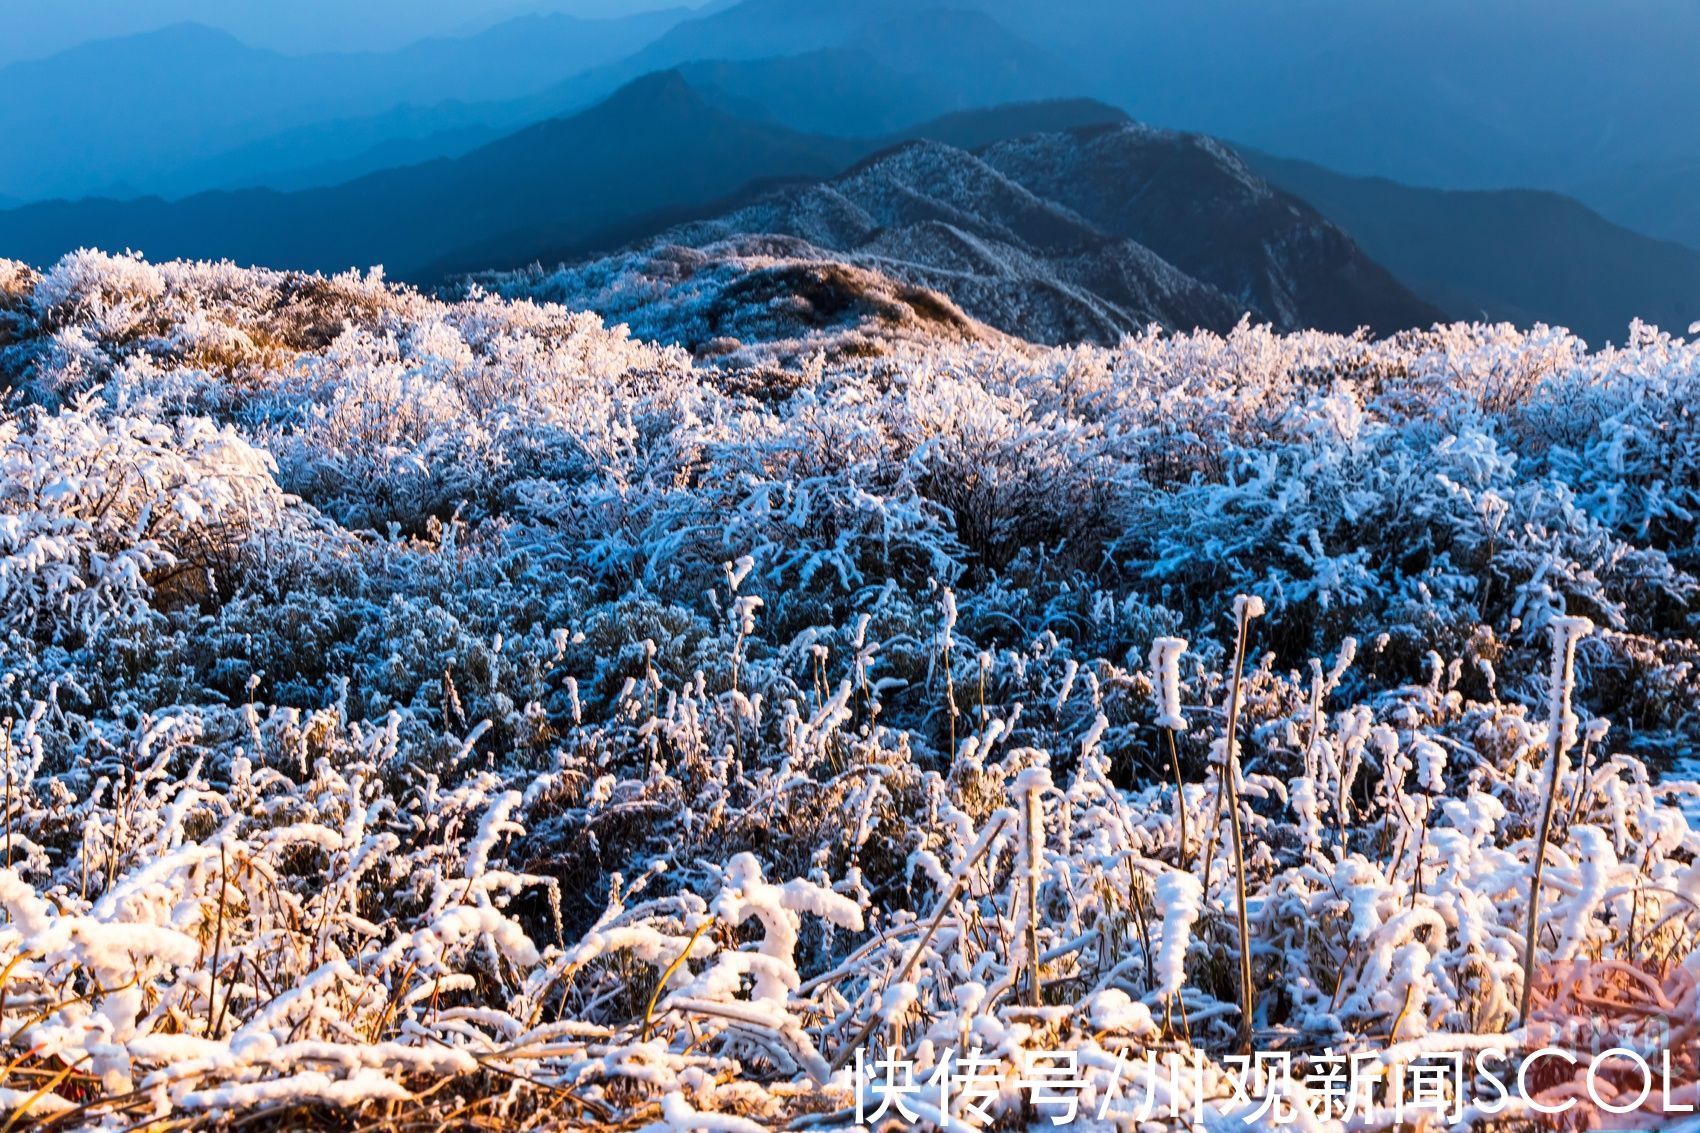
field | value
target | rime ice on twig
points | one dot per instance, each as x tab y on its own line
1166	681
1561	733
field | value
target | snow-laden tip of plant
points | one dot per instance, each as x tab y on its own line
1166	686
1166	681
1180	902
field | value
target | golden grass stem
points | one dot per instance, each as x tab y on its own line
42	1091
661	984
1185	858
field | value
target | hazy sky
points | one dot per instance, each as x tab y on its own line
34	28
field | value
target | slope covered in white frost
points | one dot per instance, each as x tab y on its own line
464	711
1060	236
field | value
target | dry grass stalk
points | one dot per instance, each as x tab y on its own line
1561	729
1245	608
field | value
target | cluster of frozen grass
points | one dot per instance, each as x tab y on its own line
463	708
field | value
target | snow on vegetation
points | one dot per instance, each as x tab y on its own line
461	709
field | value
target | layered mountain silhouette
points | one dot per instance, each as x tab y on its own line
1514	255
36	29
1083	234
861	70
1452	93
1194	202
155	111
1053	220
760	29
654	146
1090	230
890	76
1456	93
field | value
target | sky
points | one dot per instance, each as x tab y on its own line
36	28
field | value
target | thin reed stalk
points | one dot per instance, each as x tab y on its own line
1561	729
1035	784
1185	857
1245	608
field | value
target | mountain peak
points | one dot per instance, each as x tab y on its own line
169	43
659	92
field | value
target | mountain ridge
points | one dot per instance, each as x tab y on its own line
940	217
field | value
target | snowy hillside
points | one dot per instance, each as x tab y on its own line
462	713
1062	236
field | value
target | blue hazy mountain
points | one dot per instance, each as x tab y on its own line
886	76
375	150
914	68
1445	93
656	152
665	150
1554	94
127	115
305	121
1519	256
659	153
655	145
35	29
1660	198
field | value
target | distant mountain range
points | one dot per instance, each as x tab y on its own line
1659	198
657	153
656	145
218	114
36	29
1088	227
1077	233
159	110
1595	100
916	67
1081	234
1551	94
865	71
1511	255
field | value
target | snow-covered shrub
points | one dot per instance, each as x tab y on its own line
101	515
465	706
112	295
